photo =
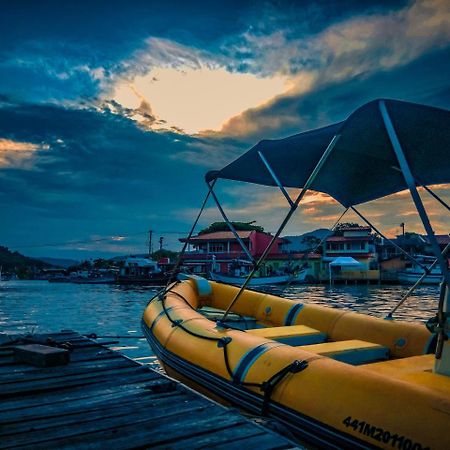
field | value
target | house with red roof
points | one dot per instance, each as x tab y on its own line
221	248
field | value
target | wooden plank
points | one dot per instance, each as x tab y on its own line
98	423
111	389
86	353
263	441
228	435
23	370
49	418
81	431
64	371
65	382
143	431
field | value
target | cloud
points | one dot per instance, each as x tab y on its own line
317	210
18	154
347	53
186	88
99	171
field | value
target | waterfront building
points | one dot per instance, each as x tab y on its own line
350	255
218	250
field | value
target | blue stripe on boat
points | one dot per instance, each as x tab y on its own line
249	359
292	314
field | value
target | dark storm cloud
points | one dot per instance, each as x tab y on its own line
88	150
52	50
92	171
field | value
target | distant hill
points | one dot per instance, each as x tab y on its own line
14	262
58	262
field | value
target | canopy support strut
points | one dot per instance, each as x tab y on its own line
230	225
436	197
315	247
413	287
291	211
433	194
275	178
183	250
371	225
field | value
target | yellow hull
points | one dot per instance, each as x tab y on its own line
396	403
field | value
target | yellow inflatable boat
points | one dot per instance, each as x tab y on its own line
337	379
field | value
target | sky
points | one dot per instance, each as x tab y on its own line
112	112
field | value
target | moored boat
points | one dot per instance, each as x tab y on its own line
255	281
142	271
337	379
414	271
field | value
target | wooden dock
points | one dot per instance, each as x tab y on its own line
102	399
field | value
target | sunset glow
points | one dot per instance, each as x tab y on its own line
197	99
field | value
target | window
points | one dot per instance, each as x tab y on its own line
216	247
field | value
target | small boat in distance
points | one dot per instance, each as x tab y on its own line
414	271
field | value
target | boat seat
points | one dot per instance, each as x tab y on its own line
353	352
416	370
291	335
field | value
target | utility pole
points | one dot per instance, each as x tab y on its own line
161	242
150	247
403	228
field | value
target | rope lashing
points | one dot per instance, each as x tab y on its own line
268	386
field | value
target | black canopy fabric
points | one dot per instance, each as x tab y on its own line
362	166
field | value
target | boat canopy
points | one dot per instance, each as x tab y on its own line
362	165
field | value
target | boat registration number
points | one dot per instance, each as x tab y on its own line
381	435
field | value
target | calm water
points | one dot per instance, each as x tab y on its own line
108	310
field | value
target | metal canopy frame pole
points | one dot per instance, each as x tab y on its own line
436	197
314	248
183	250
230	225
433	194
371	225
275	178
417	283
410	181
291	211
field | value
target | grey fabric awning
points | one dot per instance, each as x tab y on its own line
362	166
